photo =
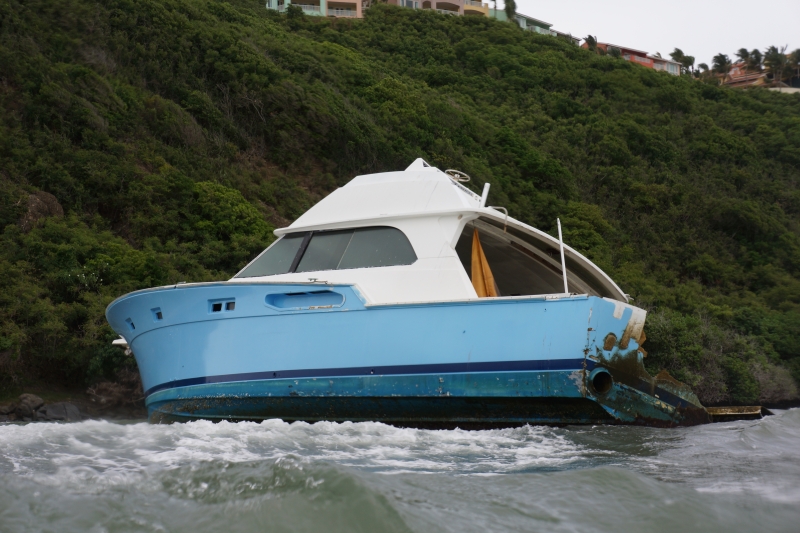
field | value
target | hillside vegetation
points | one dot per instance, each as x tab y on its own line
149	142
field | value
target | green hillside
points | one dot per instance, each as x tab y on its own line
148	142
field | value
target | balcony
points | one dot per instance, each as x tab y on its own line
340	12
446	12
471	7
311	9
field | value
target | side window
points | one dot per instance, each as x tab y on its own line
334	250
377	247
357	248
277	259
325	251
515	272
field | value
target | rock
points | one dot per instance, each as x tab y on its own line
40	205
63	411
7	409
31	399
27	406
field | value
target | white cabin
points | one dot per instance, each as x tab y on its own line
403	237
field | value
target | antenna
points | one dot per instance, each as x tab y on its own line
485	195
563	265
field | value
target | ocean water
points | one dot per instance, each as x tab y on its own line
98	476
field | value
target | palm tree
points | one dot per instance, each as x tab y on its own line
776	62
511	9
688	63
794	61
744	56
754	60
722	65
591	44
703	70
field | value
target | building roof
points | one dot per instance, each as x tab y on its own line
548	24
628	48
664	59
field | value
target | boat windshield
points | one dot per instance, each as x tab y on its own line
370	247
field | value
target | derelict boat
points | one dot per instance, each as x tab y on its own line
402	298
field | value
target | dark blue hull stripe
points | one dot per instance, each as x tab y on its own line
447	368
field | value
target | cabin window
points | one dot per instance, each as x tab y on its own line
325	251
334	250
516	270
515	263
277	259
357	248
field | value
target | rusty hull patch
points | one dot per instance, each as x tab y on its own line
639	398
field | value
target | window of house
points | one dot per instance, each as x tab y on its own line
370	247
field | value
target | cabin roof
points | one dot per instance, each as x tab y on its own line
420	191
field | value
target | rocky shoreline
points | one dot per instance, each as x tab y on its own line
31	408
107	400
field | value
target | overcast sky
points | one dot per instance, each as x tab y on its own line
701	28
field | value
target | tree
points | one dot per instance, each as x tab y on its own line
743	54
511	9
591	44
776	62
702	71
744	57
295	17
755	60
794	62
722	65
688	64
613	51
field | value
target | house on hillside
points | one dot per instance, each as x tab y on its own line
740	76
641	58
531	24
666	65
321	8
568	37
356	8
524	21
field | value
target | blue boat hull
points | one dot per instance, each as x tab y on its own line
317	352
